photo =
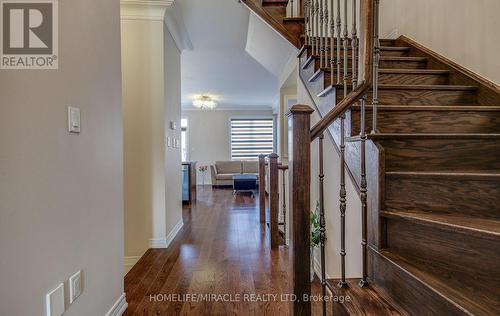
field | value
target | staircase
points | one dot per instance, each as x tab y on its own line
433	229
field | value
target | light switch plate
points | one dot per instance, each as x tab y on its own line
54	301
75	286
73	120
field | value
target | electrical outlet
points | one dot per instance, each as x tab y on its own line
75	286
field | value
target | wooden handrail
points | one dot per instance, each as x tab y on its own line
282	167
367	15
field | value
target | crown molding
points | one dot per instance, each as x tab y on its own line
158	10
150	10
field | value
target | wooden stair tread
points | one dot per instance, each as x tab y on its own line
405	87
382	58
385	58
383	41
414	71
479	108
294	19
417	87
305	47
433	174
435	279
401	71
382	136
280	3
480	227
365	301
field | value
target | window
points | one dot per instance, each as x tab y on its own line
184	139
251	137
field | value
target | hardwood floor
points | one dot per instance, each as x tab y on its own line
222	249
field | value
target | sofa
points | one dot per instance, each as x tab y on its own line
222	171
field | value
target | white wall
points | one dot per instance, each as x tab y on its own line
332	211
152	99
209	135
464	31
61	195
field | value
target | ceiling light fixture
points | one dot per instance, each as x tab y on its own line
205	102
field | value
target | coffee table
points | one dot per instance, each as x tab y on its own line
244	183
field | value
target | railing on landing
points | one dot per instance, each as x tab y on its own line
269	177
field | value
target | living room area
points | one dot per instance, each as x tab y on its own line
224	146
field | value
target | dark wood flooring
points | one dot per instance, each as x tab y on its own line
222	249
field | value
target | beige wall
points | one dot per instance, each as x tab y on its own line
173	171
143	117
210	135
465	31
61	196
151	95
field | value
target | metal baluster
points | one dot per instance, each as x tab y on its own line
345	47
306	20
321	46
354	46
376	61
325	19
342	283
332	43
322	223
363	188
310	8
284	205
339	40
316	39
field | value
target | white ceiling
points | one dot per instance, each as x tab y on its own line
218	64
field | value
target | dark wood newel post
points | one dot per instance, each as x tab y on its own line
299	168
262	188
274	200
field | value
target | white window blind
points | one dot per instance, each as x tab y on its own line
250	138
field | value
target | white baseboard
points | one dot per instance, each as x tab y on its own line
129	262
164	242
119	307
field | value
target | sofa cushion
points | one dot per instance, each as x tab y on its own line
250	166
228	166
225	176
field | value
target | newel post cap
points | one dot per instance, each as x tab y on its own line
300	109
